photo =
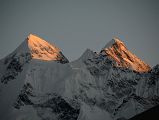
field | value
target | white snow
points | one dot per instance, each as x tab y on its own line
93	113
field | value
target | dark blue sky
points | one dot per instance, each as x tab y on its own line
74	25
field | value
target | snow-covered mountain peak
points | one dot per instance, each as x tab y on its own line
87	54
40	49
35	41
115	40
33	48
117	50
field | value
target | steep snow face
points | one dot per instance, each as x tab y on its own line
32	48
149	86
123	57
88	54
93	113
43	89
40	49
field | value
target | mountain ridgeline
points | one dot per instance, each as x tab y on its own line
37	82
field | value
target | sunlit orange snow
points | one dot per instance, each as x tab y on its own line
124	58
40	49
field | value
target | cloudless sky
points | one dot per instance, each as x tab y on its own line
75	25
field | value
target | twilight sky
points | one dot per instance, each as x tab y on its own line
74	25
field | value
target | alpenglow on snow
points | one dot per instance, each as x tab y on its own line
37	82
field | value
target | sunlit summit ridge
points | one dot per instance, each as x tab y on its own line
117	50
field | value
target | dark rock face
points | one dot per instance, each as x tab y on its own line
62	59
14	66
58	106
24	96
61	108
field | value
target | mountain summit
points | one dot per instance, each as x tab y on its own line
33	48
117	50
40	49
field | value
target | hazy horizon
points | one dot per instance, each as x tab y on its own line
74	26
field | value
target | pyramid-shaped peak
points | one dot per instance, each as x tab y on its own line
115	41
41	49
35	41
88	54
117	50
